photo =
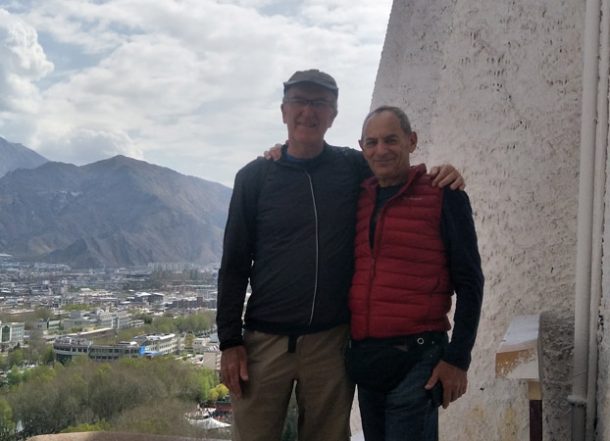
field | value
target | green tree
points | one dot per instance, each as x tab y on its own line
15	357
160	417
164	325
49	399
43	372
37	347
147	318
213	395
114	390
195	323
43	313
219	392
48	356
223	391
100	426
14	377
34	404
188	341
48	402
7	426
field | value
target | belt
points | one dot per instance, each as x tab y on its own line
406	342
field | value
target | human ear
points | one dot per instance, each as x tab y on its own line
332	120
412	141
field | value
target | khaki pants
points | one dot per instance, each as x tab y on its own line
323	392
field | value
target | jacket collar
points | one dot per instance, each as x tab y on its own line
371	184
309	164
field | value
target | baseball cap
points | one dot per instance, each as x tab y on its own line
314	76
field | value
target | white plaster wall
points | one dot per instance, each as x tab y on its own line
494	87
603	393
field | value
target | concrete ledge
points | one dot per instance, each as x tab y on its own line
107	436
518	355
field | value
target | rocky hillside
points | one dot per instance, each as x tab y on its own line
113	213
14	156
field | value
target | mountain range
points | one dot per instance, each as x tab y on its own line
14	156
118	212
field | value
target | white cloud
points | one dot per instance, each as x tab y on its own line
85	145
22	63
194	85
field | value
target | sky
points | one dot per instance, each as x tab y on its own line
193	85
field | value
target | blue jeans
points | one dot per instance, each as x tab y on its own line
406	413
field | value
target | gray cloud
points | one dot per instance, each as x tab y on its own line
194	85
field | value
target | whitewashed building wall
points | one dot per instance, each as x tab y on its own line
603	392
495	88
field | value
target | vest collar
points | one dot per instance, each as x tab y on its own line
415	171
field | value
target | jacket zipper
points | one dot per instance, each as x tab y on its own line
374	248
315	214
375	251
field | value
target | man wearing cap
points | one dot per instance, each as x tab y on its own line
290	233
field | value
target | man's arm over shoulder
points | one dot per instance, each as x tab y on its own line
238	250
447	175
460	239
356	160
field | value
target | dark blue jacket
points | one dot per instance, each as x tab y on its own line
289	233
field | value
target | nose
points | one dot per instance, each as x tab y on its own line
308	109
382	147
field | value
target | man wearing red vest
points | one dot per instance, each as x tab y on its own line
415	246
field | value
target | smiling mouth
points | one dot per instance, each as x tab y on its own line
384	162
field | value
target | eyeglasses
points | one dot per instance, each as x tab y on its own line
316	104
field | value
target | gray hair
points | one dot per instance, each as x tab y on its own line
405	125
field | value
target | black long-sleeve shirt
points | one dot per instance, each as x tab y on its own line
290	233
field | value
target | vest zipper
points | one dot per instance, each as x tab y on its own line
315	214
374	252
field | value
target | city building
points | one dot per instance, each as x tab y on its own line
65	348
163	344
68	347
11	334
114	352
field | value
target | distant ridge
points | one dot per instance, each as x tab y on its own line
112	213
14	156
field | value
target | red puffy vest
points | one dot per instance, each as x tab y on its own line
401	286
